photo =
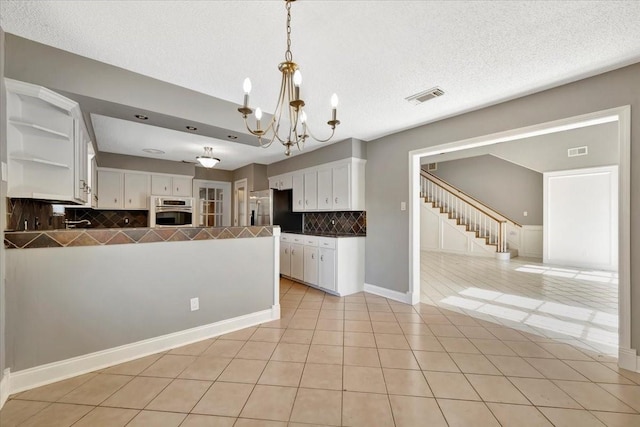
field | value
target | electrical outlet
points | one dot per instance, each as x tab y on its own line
525	213
403	206
195	304
126	221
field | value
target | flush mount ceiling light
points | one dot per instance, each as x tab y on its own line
207	161
141	117
191	128
289	105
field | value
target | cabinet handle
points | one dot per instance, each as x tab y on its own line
299	202
293	252
129	201
313	256
177	189
306	202
321	257
286	251
165	188
115	200
336	200
326	200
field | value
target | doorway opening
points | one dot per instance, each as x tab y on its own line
621	116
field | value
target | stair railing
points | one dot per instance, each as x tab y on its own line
466	210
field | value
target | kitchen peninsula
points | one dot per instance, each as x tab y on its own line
86	299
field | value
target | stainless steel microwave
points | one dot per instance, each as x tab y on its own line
171	212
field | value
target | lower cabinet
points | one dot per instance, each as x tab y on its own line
311	265
285	258
327	269
335	265
297	261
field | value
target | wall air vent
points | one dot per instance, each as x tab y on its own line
432	167
424	96
577	151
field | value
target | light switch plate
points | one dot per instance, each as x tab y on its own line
195	304
4	171
403	206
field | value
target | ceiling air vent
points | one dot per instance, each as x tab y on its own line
424	96
577	151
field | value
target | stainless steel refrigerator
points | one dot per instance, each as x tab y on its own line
274	207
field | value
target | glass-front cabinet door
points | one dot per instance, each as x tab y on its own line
213	201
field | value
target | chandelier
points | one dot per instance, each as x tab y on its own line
290	107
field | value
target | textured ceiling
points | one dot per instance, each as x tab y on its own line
372	53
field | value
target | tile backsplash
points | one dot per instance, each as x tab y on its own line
29	215
109	219
347	222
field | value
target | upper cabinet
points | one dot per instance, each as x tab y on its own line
47	144
337	186
281	182
122	190
168	185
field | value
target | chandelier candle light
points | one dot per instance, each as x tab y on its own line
289	104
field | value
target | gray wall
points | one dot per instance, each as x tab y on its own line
144	164
3	207
350	147
548	153
505	187
92	306
214	174
387	247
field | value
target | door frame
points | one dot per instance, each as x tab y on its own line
238	184
226	197
627	356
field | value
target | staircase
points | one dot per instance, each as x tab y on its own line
486	226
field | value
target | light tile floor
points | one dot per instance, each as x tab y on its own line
572	305
356	361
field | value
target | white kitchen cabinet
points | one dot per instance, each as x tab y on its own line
311	191
181	186
109	189
281	182
325	189
136	191
161	185
93	181
298	192
341	187
285	258
327	269
310	259
122	190
297	261
335	265
335	186
46	145
171	185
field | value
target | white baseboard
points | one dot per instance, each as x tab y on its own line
56	371
406	298
628	359
4	387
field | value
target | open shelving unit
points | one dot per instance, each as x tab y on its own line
46	145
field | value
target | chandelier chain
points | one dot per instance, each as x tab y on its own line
288	55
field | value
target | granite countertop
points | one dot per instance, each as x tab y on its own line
325	234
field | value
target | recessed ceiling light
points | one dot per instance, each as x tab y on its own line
141	117
192	128
232	137
152	151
